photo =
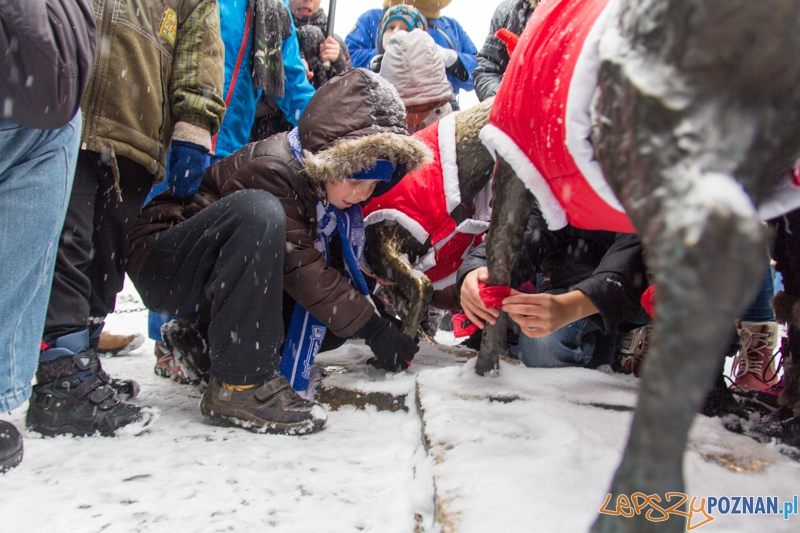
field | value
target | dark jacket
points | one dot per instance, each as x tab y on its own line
352	121
607	267
47	48
311	33
493	58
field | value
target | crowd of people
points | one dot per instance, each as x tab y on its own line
217	152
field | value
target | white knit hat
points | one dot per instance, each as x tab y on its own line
413	65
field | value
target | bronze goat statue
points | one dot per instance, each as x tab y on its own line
693	114
417	233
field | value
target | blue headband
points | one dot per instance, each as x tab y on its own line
383	171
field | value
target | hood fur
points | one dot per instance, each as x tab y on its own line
355	155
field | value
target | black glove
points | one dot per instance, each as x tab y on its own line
393	350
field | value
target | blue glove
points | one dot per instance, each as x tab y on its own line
187	162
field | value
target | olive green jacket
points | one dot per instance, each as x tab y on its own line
157	64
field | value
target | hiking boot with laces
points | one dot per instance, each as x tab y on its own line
10	446
189	348
167	366
74	396
633	349
754	367
272	407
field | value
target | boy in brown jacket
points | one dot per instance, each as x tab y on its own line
273	239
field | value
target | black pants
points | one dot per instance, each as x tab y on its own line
223	268
90	265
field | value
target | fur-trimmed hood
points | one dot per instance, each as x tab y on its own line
352	121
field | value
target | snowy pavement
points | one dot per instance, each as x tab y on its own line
444	450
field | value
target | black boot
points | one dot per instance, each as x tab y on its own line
10	446
73	395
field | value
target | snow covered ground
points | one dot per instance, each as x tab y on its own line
528	451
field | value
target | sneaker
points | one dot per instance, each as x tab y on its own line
167	366
754	367
74	396
10	446
633	349
111	345
189	349
273	407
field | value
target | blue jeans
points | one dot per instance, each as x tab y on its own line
571	345
36	172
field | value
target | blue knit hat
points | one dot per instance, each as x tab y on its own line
408	14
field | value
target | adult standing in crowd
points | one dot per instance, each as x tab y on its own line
47	49
457	50
493	58
317	47
157	82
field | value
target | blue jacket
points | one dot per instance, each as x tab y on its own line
361	43
235	130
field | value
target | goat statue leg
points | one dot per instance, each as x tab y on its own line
389	247
512	207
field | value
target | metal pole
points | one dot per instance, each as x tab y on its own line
329	33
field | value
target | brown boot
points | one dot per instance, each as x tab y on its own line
633	350
754	367
273	407
113	345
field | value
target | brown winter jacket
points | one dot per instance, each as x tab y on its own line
350	122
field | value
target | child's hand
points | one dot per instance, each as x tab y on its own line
471	301
329	50
539	315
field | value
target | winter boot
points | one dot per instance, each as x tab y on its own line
126	388
272	407
10	446
111	345
166	366
754	367
189	348
633	349
73	395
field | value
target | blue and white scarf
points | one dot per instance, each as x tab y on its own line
306	332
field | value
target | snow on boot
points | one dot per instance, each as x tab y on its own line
167	366
74	396
754	367
111	345
189	349
633	350
273	407
10	446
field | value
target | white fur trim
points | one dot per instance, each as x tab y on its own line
783	198
446	282
447	157
411	225
496	140
577	123
473	227
184	131
483	203
427	261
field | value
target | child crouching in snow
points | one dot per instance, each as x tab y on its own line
279	222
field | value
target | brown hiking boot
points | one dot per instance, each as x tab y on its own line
112	345
754	367
273	407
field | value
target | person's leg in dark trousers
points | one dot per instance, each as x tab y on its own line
90	266
73	395
224	267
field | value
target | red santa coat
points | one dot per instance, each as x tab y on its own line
422	203
540	120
